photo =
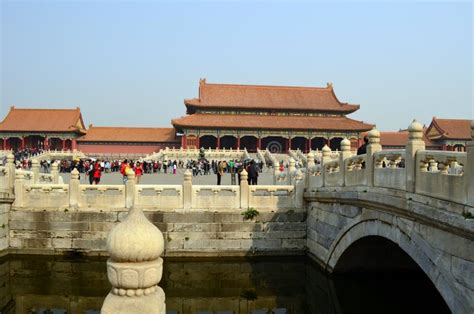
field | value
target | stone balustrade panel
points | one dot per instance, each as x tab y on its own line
441	174
216	196
101	196
332	175
355	174
271	196
45	196
3	179
45	178
159	196
389	170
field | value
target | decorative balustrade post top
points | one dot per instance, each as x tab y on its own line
243	175
188	175
374	136
345	145
75	174
10	158
415	131
326	151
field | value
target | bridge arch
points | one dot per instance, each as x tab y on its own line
414	246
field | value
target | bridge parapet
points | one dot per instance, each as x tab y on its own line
440	174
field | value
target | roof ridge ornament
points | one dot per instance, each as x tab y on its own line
329	85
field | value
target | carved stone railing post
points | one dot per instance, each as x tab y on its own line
276	174
130	190
11	172
343	155
310	168
373	147
299	189
55	172
244	190
135	268
19	188
325	158
469	179
74	189
187	190
291	170
415	143
35	168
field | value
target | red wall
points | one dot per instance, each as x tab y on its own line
122	148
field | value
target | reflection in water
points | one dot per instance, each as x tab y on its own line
39	284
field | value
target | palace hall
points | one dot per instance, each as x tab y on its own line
227	116
275	117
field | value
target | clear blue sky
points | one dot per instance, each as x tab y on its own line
133	63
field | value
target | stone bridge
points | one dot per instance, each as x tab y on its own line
363	209
348	212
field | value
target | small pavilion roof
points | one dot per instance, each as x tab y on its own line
234	96
43	120
275	122
399	139
451	129
128	134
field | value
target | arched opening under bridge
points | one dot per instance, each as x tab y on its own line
375	275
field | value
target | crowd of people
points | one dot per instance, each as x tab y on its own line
93	169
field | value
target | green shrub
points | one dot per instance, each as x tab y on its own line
250	213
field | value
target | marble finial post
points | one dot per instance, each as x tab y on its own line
415	143
244	190
135	267
373	147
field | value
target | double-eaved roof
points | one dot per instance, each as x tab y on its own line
231	106
289	98
43	120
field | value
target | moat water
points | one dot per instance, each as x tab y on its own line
44	284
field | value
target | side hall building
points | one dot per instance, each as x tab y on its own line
275	117
56	129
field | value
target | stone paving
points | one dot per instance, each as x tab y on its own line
265	178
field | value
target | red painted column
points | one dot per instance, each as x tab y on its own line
23	142
259	143
5	143
198	142
309	144
218	142
329	143
73	144
46	143
289	143
64	144
238	142
183	141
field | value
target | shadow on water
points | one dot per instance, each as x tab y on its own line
45	284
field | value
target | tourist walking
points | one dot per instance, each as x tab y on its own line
252	173
220	172
138	171
97	173
123	166
363	148
90	172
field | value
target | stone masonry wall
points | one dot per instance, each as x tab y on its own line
5	206
444	250
194	233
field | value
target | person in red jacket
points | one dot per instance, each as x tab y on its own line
97	173
138	171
